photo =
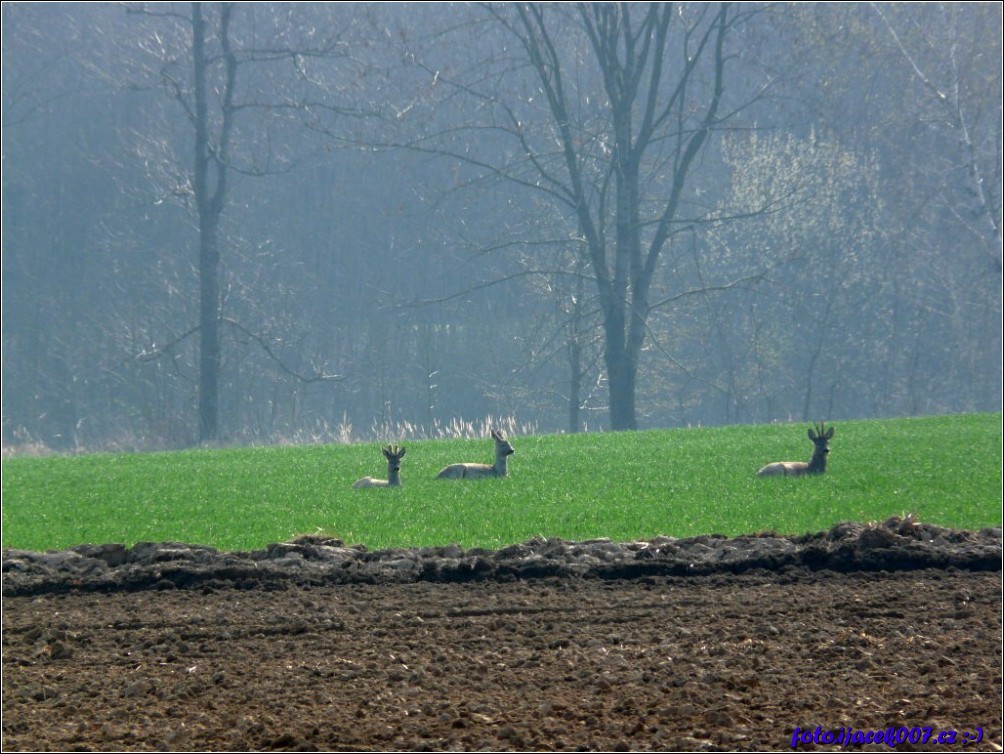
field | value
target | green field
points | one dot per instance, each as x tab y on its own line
679	482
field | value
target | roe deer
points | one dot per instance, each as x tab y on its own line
816	465
393	454
480	470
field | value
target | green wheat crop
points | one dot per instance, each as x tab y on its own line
624	486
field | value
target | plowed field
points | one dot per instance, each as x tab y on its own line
714	662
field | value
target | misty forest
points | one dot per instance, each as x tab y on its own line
251	223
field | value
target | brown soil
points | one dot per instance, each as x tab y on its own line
712	663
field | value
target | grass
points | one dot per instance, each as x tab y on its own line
679	482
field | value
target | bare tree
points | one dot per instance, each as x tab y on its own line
202	73
945	68
210	173
605	110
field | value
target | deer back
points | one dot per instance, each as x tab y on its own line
467	471
784	468
368	481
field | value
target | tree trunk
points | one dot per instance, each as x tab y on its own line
210	187
622	370
574	339
209	334
622	373
574	387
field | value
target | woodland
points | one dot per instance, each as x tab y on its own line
261	223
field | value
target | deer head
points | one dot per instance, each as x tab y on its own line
393	454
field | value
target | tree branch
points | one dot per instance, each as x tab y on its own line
156	353
755	278
491	284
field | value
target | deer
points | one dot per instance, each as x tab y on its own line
482	470
820	437
393	454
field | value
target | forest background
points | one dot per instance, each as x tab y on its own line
310	222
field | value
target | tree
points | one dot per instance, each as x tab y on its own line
210	173
919	87
606	110
202	73
948	55
968	101
825	314
55	190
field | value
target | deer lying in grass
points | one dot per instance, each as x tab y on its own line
816	465
393	454
481	470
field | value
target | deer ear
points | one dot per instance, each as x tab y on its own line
829	433
812	434
401	453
